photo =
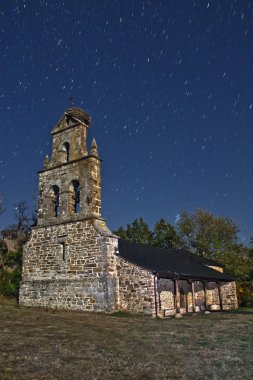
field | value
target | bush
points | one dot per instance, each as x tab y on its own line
245	293
9	282
10	274
12	259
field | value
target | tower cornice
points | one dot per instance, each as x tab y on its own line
70	162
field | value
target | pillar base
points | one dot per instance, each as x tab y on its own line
178	315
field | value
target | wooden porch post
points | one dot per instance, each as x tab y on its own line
177	297
220	299
193	296
205	292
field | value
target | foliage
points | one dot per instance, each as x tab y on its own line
245	293
200	232
121	233
238	262
138	232
207	235
11	262
12	259
10	273
165	235
3	247
10	282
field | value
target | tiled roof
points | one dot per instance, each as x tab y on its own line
170	262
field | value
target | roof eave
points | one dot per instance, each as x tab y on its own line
183	276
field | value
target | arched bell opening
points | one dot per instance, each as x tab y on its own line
55	201
75	197
66	148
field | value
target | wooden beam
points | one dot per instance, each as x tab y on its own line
177	296
193	296
220	298
156	296
205	294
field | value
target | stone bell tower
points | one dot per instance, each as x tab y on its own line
69	183
69	260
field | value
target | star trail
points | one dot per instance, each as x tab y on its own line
168	85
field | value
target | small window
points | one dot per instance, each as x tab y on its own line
64	251
56	200
67	151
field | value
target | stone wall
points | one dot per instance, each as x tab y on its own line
136	288
64	294
71	266
76	137
228	295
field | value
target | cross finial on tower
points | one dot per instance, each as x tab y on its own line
70	101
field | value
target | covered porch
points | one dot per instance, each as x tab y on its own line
178	295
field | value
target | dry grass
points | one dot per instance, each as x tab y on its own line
39	344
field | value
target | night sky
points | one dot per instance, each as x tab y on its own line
168	85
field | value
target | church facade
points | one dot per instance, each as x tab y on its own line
73	261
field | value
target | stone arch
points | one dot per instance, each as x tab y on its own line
66	149
74	202
55	201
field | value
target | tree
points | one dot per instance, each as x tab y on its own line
138	232
165	235
22	215
34	209
207	235
23	219
121	233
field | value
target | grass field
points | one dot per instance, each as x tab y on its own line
40	344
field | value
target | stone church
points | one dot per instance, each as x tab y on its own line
73	261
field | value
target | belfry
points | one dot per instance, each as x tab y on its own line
69	183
